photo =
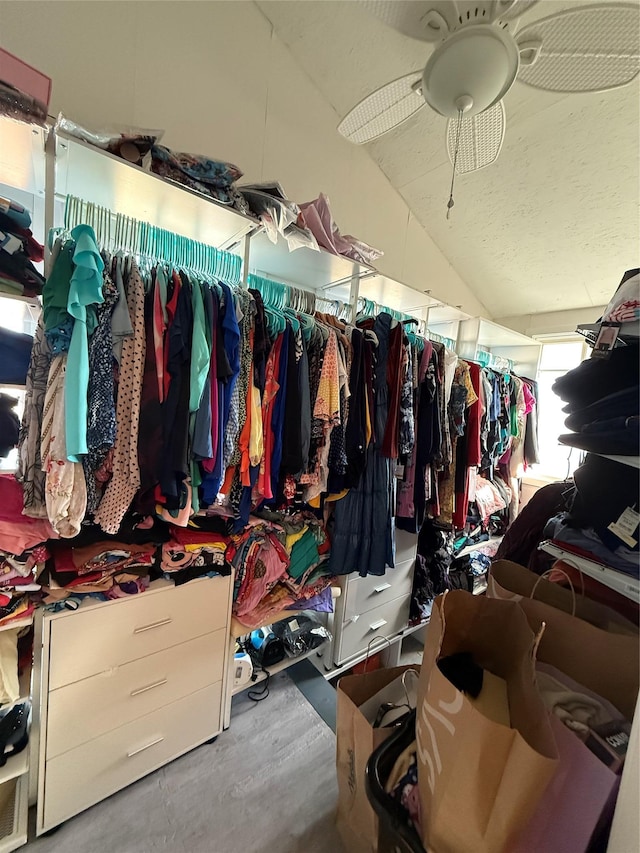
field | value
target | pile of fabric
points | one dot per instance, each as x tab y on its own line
23	555
18	251
105	569
192	553
279	565
596	526
213	178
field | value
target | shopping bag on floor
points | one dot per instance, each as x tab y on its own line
606	663
480	779
356	739
581	793
512	582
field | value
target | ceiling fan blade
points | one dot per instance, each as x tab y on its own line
427	20
589	49
507	10
383	109
481	138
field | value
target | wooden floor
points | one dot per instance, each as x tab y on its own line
268	785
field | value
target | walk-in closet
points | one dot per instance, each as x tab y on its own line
319	426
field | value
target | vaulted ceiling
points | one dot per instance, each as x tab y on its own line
552	225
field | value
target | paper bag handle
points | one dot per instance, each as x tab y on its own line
547	574
369	644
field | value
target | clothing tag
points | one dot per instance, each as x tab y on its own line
9	243
606	340
399	472
626	526
294	625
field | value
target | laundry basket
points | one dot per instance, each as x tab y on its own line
397	834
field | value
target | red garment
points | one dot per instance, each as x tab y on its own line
171	312
17	531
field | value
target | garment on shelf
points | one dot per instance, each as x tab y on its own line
15	353
18	252
9	424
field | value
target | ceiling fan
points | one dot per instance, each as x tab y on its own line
481	52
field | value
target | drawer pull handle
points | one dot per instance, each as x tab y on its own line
153	625
149	687
142	748
382	587
379	624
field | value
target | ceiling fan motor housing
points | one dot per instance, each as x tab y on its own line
471	70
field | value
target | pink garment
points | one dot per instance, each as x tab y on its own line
266	563
529	399
316	216
17	531
159	329
488	498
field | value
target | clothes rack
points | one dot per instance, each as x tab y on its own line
116	232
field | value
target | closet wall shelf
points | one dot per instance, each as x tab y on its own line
623	584
29	300
89	173
16	623
14	810
480	334
631	461
278	667
21	156
384	644
16	766
304	267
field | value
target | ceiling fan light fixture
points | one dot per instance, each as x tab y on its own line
478	62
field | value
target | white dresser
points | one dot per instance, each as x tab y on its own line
372	608
127	686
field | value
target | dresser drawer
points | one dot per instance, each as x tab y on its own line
363	594
384	621
89	773
86	643
406	546
86	709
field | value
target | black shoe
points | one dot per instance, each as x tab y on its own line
13	731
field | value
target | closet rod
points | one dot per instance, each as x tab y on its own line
117	232
295	297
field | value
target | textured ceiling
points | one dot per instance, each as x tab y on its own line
552	225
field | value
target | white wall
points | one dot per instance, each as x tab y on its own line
552	322
216	78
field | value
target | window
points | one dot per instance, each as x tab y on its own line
557	358
17	316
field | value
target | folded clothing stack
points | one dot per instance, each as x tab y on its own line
603	403
213	178
602	393
193	553
599	524
106	568
18	251
22	554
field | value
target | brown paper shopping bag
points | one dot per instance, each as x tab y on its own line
356	739
480	781
606	662
512	582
